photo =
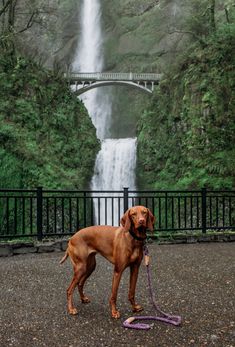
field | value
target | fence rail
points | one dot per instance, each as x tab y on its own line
114	76
46	213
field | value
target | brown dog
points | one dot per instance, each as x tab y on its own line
122	246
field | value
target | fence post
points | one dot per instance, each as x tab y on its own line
125	198
84	208
204	210
39	214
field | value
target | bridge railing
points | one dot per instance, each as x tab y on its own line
113	76
46	213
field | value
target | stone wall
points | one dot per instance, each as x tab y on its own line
16	248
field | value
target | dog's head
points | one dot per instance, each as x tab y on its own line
139	217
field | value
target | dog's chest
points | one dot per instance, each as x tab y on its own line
135	254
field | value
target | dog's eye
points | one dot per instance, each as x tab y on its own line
144	212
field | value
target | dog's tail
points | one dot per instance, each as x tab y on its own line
64	257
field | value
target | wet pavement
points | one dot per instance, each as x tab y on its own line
195	281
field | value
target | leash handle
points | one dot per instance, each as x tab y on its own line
166	318
139	326
128	323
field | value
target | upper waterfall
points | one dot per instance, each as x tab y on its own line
89	58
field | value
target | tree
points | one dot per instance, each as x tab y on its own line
205	19
229	7
15	12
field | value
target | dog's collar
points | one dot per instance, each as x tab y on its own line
136	237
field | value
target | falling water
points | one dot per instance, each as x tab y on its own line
89	58
116	161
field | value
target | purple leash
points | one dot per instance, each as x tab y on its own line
165	317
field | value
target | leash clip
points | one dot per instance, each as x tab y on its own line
146	260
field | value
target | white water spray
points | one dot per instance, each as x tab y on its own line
116	161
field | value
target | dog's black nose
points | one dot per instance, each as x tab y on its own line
141	221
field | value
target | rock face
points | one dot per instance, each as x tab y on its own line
52	38
136	33
137	40
139	35
141	31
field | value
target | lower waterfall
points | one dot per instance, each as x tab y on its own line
114	169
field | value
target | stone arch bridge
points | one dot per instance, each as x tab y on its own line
82	82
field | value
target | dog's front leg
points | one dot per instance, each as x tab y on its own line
134	270
113	299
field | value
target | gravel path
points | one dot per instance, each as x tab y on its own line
195	281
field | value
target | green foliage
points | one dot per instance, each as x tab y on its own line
186	137
46	135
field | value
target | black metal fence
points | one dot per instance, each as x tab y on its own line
46	213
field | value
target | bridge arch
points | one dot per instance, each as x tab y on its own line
87	87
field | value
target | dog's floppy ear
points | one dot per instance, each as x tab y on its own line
125	221
150	220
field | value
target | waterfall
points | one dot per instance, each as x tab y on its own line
114	169
89	58
116	161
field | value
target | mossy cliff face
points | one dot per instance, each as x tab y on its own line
46	136
186	137
137	39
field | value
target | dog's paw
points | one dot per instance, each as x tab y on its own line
116	314
137	308
85	300
73	311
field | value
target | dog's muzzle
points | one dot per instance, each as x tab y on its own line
142	229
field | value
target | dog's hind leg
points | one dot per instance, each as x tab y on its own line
79	272
91	264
